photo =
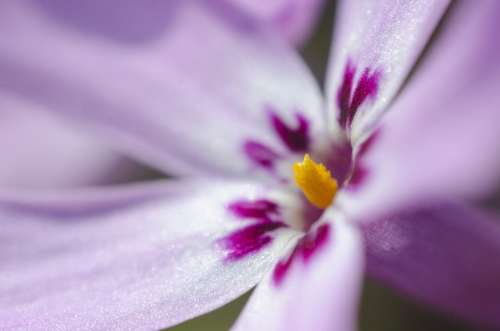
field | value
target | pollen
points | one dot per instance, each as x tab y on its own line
315	181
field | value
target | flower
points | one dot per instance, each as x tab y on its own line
86	161
210	96
293	19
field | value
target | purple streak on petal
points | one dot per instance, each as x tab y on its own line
367	88
281	269
348	101
310	244
305	248
248	240
260	154
261	209
296	139
344	93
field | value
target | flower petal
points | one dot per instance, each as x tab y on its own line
184	97
442	254
294	19
42	152
379	38
148	265
321	293
441	138
73	202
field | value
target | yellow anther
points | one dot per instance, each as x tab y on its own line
315	181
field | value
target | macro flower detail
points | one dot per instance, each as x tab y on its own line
315	181
295	139
225	107
260	209
265	217
304	249
249	239
349	100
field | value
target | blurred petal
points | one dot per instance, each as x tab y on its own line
383	37
42	152
321	294
442	254
146	266
294	19
441	138
183	95
74	202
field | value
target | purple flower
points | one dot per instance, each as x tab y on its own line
210	97
81	160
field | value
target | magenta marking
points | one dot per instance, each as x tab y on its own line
305	249
253	237
248	240
367	88
260	154
360	171
261	209
349	101
344	92
296	139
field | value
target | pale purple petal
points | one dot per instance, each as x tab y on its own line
441	136
39	151
294	19
76	201
320	290
183	94
379	38
150	262
445	255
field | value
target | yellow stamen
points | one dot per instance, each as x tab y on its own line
315	181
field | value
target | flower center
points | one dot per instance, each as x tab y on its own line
315	181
